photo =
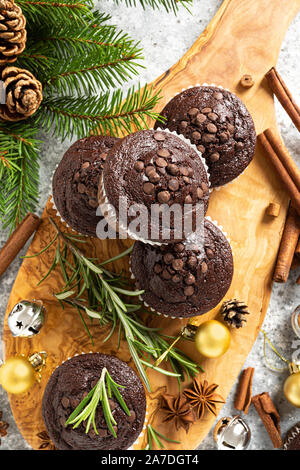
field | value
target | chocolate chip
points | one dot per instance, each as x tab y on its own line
204	187
212	116
192	261
112	404
214	157
199	193
163	196
159	136
149	169
132	416
193	112
139	165
209	253
166	275
201	148
63	422
184	124
81	188
65	402
190	279
77	177
223	137
188	291
148	188
191	171
188	199
231	128
177	264
157	268
239	145
176	278
211	128
102	432
161	162
207	138
74	402
163	153
173	169
93	203
179	247
218	95
186	179
200	118
173	185
184	171
196	135
103	155
168	258
206	110
85	165
204	267
154	177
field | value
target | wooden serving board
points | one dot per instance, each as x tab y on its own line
244	37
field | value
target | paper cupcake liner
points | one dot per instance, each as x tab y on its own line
109	211
141	435
132	276
57	213
216	188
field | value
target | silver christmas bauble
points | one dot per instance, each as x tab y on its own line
26	318
232	434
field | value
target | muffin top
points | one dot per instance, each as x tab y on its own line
67	387
76	180
218	123
155	168
292	439
187	278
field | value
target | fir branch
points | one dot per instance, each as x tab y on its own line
111	113
45	11
168	5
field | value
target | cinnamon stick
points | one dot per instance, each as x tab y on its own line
287	171
17	240
297	250
244	391
269	416
283	95
287	246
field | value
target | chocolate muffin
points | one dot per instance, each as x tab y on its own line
71	382
292	439
155	171
76	180
219	124
187	278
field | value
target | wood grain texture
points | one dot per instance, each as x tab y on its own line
243	38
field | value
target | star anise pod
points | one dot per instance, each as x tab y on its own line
203	397
46	441
177	410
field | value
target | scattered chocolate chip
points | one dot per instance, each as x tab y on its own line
184	124
223	137
85	165
163	196
132	416
149	169
190	279
158	268
200	118
239	145
204	267
166	275
218	95
173	184
77	177
211	128
209	253
193	112
162	171
201	148
207	138
173	169
188	291
65	402
191	171
159	136
184	171
163	152
148	188
103	155
168	258
206	110
192	261
139	165
188	199
177	264
186	179
154	177
179	247
214	157
212	116
81	188
176	278
161	162
196	135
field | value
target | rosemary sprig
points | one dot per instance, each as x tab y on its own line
155	437
100	394
102	295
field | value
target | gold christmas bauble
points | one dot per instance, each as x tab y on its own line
17	375
291	389
212	339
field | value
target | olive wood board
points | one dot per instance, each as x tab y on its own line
244	37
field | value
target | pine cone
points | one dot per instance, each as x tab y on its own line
234	313
23	94
12	31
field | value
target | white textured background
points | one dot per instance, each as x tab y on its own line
165	38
